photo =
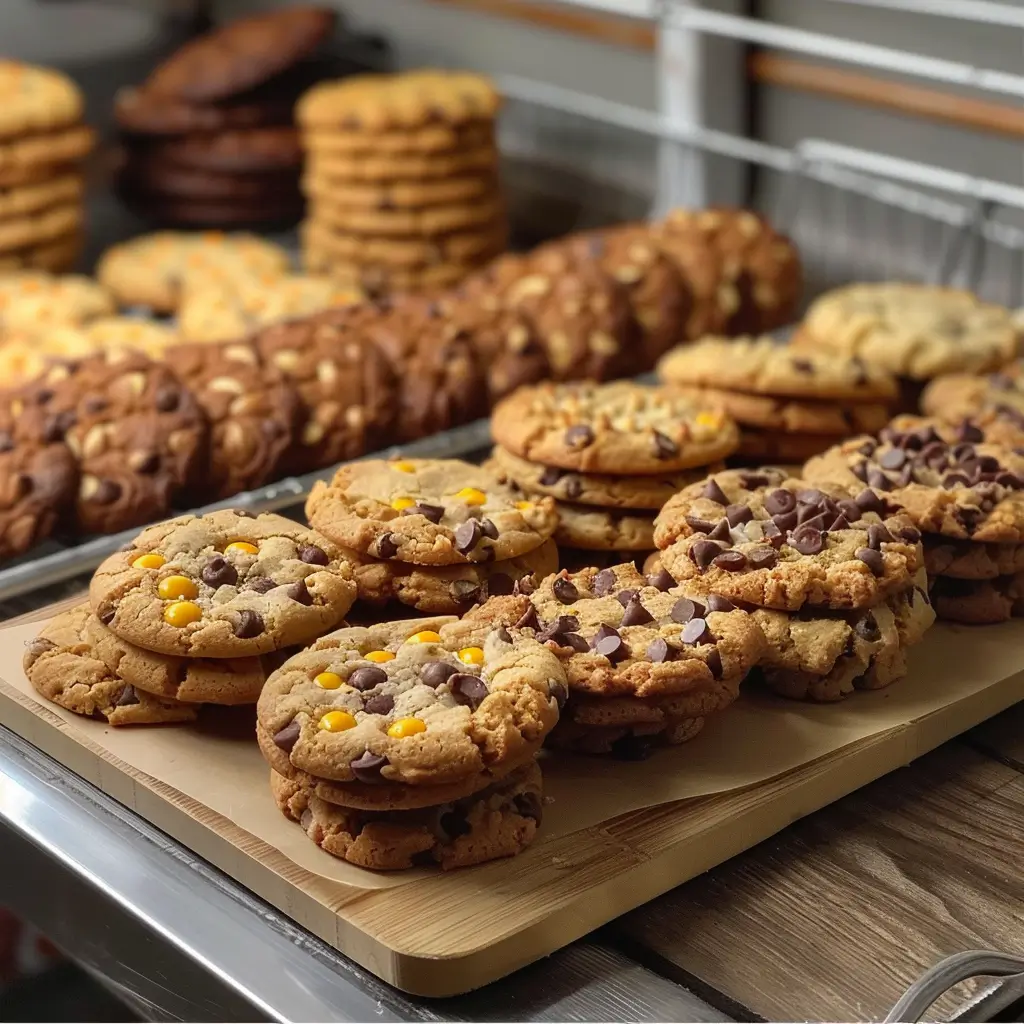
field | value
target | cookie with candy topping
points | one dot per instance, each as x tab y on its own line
621	428
949	480
758	537
410	706
223	585
428	512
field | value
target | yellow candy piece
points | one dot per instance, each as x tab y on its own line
472	655
181	613
328	680
425	636
404	467
708	419
524	505
150	561
379	656
471	496
243	547
399	504
406	727
337	721
174	588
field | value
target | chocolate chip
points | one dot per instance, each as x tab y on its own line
952	480
737	514
714	493
893	458
380	704
579	436
386	546
699	525
868	501
612	648
287	737
664	447
249	624
500	584
528	620
604	582
528	805
877	536
803	365
860	471
106	493
867	628
625	596
636	614
714	663
367	767
785	521
467	535
368	676
752	480
6	441
219	572
503	635
780	502
967	431
872	559
167	399
731	561
313	555
850	510
565	591
467	689
433	673
299	593
685	609
128	697
807	540
721	531
260	584
762	558
551	476
106	615
662	580
717	603
968	518
658	650
553	630
524	585
573	640
704	552
433	513
909	534
560	692
696	632
573	487
488	529
819	522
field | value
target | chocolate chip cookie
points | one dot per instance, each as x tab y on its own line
600	529
757	537
36	99
978	602
223	585
620	428
428	512
142	112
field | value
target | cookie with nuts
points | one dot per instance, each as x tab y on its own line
223	585
620	428
428	512
756	536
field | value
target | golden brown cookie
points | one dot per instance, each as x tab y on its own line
35	99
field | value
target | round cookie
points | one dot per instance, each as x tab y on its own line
958	396
978	602
757	537
916	331
253	412
449	589
402	195
38	479
60	147
22	199
42	226
597	529
56	256
149	270
381	282
34	301
146	180
346	385
244	150
344	168
368	104
637	492
35	99
500	821
621	428
436	138
63	664
766	447
948	480
423	222
141	112
428	512
206	215
194	586
968	560
435	712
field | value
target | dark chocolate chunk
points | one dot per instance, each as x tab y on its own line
386	546
850	510
807	540
366	677
528	620
773	534
299	593
128	697
910	534
699	525
967	431
717	603
287	737
762	558
573	487
952	480
488	529
106	615
664	447
167	399
658	650
636	614
565	591
433	673
860	470
529	805
573	640
714	493
551	476
560	692
714	663
721	531
633	748
380	704
148	463
752	480
893	458
503	635
467	689
779	501
785	521
867	628
625	596
249	624
737	514
731	561
696	632
662	580
579	436
613	648
685	609
868	501
219	572
704	552
604	582
877	536
366	767
467	535
872	559
313	555
260	584
433	513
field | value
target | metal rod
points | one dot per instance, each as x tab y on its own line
980	11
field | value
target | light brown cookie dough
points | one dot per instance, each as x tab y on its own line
64	665
36	99
436	138
620	428
916	331
404	703
947	479
33	302
427	221
500	821
41	226
757	537
47	148
56	256
978	602
402	195
223	585
598	529
428	512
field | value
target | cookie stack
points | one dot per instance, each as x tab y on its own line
208	137
915	332
964	489
408	743
197	610
611	454
436	535
401	179
790	403
836	583
42	145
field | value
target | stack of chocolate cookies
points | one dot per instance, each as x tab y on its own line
196	610
42	146
209	138
963	487
835	582
434	535
412	742
401	179
611	454
790	403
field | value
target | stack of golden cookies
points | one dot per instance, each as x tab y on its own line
42	145
611	455
401	179
790	403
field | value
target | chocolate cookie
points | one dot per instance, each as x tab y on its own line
157	181
143	112
240	151
223	585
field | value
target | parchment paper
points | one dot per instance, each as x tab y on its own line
216	761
